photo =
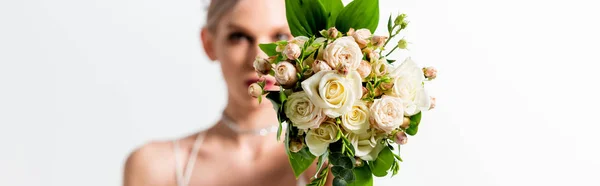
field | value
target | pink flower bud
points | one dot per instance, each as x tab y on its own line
385	86
262	66
320	65
432	103
430	73
255	90
365	92
291	51
361	37
333	32
296	145
285	74
350	32
401	138
364	69
378	41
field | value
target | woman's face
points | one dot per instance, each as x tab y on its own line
234	43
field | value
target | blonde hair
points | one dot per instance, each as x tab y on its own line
216	10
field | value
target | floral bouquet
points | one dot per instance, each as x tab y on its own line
341	101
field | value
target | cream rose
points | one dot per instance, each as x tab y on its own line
357	120
343	52
285	74
408	85
388	113
362	37
333	92
318	139
380	67
302	112
366	145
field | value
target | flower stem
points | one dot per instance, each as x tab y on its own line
391	51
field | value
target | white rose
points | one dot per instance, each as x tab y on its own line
362	37
333	92
343	52
366	145
357	120
387	113
318	139
302	112
408	85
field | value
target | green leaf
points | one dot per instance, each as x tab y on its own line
305	17
346	174
277	99
339	182
339	159
363	176
322	159
359	14
389	25
300	161
383	163
413	127
321	180
332	8
269	48
347	145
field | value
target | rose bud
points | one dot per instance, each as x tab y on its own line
350	32
332	33
378	92
430	73
291	51
385	86
361	37
320	65
285	74
401	138
255	90
262	66
343	69
364	69
402	44
405	123
373	55
399	19
380	68
432	103
296	145
378	41
365	92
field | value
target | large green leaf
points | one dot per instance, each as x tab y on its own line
363	176
269	48
332	8
278	99
300	161
359	14
305	17
383	163
413	127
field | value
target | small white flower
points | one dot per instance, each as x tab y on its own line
318	139
388	113
302	112
292	51
408	85
366	145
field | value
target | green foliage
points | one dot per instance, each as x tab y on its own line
332	8
359	14
413	127
363	176
269	48
383	163
305	17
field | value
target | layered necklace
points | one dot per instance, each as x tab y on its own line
252	131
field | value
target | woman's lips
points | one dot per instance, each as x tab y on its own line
269	83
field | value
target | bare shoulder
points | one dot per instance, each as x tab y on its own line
150	164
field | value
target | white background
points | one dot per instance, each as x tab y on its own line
83	83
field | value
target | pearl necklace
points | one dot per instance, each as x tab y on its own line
257	132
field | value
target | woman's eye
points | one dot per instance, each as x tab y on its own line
282	36
238	36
